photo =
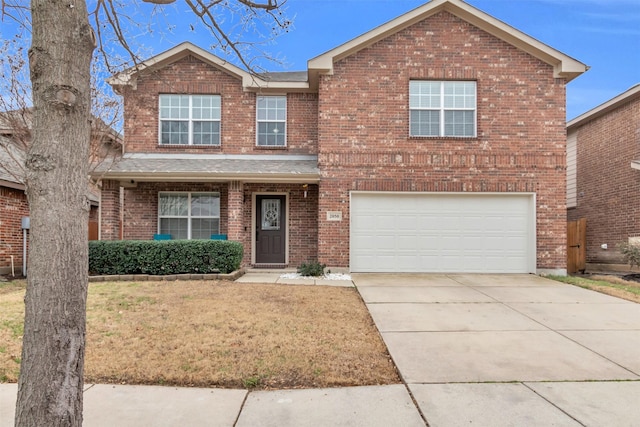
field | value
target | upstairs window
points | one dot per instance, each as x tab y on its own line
442	108
189	215
272	121
189	120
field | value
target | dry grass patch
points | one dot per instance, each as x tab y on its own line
222	334
606	284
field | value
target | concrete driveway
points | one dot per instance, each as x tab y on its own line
509	350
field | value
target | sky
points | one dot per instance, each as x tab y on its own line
603	34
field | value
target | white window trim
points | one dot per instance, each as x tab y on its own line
286	112
189	217
190	120
443	109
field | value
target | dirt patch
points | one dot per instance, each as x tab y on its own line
220	334
632	277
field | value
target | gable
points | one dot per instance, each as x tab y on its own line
444	46
563	65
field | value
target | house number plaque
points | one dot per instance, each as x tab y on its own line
334	216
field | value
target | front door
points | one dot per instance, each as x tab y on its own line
270	229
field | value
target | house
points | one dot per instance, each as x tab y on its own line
14	206
432	143
603	176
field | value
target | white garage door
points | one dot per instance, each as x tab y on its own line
426	232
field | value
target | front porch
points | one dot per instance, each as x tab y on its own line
277	224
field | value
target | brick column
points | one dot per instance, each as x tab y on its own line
235	228
110	210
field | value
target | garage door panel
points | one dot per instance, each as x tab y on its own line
417	232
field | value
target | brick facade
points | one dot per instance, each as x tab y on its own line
356	120
608	188
190	75
13	207
364	143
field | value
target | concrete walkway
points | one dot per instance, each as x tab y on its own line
482	350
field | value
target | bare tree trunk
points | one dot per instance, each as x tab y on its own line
51	378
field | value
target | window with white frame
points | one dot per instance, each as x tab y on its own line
189	215
442	108
189	119
271	121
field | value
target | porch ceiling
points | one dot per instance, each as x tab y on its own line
247	168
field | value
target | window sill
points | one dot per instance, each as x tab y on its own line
457	138
204	147
272	147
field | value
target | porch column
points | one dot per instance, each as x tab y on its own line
235	229
110	210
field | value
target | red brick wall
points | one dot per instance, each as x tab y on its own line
140	211
140	219
110	202
363	134
13	206
191	76
608	188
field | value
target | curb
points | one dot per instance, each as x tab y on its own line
168	278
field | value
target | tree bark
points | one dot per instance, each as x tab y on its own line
51	378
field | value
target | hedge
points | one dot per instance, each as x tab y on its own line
162	257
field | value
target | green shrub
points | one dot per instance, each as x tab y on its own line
312	268
631	254
164	257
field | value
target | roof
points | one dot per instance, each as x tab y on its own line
602	109
11	159
214	167
290	81
564	66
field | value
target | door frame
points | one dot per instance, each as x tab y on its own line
253	223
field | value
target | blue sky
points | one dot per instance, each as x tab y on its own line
604	34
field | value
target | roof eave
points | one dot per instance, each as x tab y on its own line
127	77
133	177
250	82
602	109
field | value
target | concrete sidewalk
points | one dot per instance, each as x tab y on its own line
482	350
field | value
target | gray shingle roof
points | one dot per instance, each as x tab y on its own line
285	76
260	168
10	159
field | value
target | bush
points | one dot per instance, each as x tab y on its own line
164	257
312	268
631	254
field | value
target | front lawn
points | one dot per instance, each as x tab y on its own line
217	334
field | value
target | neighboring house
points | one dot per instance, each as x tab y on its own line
13	199
433	143
13	207
603	181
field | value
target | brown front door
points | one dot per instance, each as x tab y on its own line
270	229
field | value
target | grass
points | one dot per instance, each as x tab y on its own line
610	285
218	334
